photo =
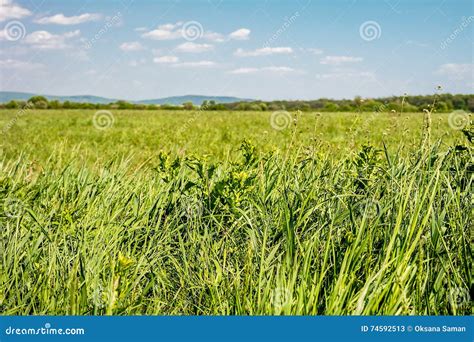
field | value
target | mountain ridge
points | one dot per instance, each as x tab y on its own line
6	96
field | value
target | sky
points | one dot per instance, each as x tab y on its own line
299	49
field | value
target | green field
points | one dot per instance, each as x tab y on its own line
220	213
143	134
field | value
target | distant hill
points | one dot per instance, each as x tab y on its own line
6	96
195	99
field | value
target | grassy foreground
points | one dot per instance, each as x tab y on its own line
290	224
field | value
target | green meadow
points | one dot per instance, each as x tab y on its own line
131	212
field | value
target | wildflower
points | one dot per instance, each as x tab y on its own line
124	262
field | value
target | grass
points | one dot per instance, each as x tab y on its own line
328	216
142	134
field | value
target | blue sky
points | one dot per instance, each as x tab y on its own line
300	49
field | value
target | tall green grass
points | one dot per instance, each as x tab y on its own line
297	232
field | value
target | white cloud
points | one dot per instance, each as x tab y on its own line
199	64
170	27
213	36
140	29
244	71
314	51
454	71
165	59
61	19
164	32
338	60
271	69
173	31
194	47
131	46
9	10
20	65
46	40
240	34
263	51
346	74
279	69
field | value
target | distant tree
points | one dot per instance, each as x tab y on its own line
331	107
346	108
409	108
55	104
168	106
458	102
305	107
39	102
442	107
371	106
470	104
88	106
358	100
140	106
12	104
394	106
124	105
41	105
243	106
255	107
188	105
274	106
444	103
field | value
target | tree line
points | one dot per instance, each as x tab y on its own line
418	103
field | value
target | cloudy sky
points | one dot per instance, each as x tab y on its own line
299	49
